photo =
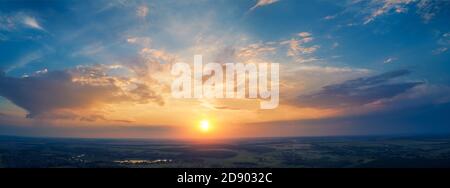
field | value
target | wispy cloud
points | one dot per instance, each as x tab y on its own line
255	50
262	3
381	7
89	50
7	23
305	34
389	60
444	44
371	10
329	17
327	69
19	20
32	23
298	48
142	11
3	37
140	41
428	9
440	50
25	60
335	45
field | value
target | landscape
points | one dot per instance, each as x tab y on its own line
224	84
307	152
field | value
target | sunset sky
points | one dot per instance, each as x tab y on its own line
102	68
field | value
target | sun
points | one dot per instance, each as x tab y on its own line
204	125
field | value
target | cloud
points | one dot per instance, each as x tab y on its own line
255	50
298	48
389	60
422	119
7	23
248	51
305	34
32	23
89	50
427	9
262	3
157	55
443	43
61	114
386	6
114	130
330	17
335	45
26	59
140	41
440	50
142	11
359	91
3	37
19	20
423	94
327	69
371	10
50	93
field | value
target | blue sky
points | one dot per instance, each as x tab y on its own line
327	42
69	27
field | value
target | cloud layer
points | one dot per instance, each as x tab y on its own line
46	94
359	91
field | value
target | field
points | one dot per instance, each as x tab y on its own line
313	152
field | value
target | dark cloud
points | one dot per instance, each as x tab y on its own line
47	93
142	94
422	119
51	91
359	91
226	108
84	116
113	131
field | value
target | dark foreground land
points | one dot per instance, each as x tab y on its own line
339	152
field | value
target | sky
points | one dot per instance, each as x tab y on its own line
102	68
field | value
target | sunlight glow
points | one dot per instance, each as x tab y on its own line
204	125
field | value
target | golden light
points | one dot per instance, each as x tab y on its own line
204	126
